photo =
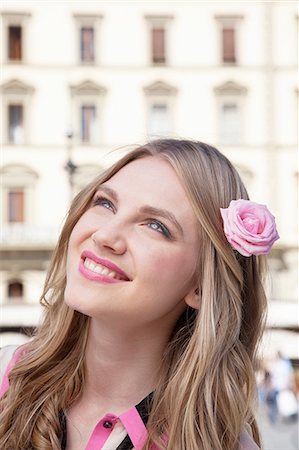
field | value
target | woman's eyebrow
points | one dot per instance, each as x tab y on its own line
109	191
152	211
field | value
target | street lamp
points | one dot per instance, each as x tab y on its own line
70	166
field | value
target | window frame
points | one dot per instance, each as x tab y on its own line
87	92
163	21
160	92
15	92
88	21
18	177
227	22
230	92
15	19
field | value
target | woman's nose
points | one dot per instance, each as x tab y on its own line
107	238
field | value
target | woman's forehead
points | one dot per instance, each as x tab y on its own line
151	181
149	177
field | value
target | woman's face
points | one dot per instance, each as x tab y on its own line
132	255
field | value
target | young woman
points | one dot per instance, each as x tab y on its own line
154	306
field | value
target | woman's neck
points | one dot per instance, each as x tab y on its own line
121	367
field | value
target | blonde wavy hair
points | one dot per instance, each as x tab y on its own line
206	392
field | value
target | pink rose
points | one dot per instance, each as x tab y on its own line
249	227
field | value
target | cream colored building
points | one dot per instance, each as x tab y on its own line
80	79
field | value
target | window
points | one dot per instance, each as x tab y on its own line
17	189
87	100
230	123
228	45
16	206
15	43
14	35
88	32
230	98
16	100
158	45
15	124
159	27
15	290
159	120
160	99
88	123
229	30
87	44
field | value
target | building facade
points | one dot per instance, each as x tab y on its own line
81	79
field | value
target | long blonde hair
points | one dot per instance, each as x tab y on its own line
206	392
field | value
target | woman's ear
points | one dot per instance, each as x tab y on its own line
192	298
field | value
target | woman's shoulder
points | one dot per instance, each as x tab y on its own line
6	354
246	442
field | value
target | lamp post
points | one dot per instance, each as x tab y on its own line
70	166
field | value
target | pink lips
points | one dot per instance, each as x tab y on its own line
104	262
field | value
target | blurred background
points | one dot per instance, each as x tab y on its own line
81	79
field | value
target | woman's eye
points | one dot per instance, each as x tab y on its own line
102	201
160	227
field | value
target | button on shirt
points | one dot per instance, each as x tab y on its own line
124	432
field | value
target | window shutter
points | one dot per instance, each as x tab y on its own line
158	42
15	43
228	36
87	44
88	118
16	206
15	289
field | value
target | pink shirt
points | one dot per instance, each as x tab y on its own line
111	429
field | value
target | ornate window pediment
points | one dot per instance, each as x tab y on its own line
16	87
230	88
160	88
17	174
15	16
88	88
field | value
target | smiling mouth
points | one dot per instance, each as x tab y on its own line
102	270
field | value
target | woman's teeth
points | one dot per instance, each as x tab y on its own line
102	270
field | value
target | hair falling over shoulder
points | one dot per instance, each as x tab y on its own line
206	393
